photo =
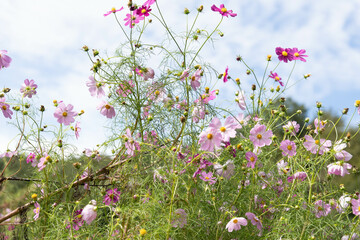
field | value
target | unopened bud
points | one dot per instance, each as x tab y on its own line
269	57
95	52
345	111
200	8
77	165
248	72
307	120
357	103
237	81
85	48
42	108
207	89
6	90
186	11
307	75
253	87
182	119
318	104
34	196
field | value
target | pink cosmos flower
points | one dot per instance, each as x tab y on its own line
210	139
339	168
355	206
276	77
5	60
113	10
226	170
106	109
288	147
341	154
184	74
179	218
36	210
131	20
299	54
5	108
354	236
77	221
282	167
240	99
89	212
319	125
65	114
252	158
95	88
223	11
130	144
316	146
208	177
207	97
235	224
77	130
43	161
143	11
292	126
284	55
149	74
225	75
322	209
195	83
8	154
259	136
254	220
125	88
242	119
198	113
28	88
297	176
227	130
112	196
31	158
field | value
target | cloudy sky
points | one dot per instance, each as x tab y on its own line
44	39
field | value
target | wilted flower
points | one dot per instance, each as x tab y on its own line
89	212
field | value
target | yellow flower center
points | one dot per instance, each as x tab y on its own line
284	53
222	129
47	158
320	208
113	10
107	106
79	216
357	102
143	11
142	232
277	78
140	71
359	208
296	54
289	147
235	221
209	136
157	92
224	10
317	142
193	78
259	136
4	107
207	178
34	196
252	159
64	114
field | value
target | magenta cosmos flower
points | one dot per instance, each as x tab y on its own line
299	54
36	210
143	11
288	147
5	108
339	168
235	224
322	209
125	88
5	60
223	11
95	88
276	77
28	89
113	10
315	146
284	55
210	139
65	114
77	221
355	206
207	177
112	196
252	158
43	161
131	20
106	109
89	212
149	2
226	74
228	129
259	136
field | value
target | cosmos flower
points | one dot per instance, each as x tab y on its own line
210	139
339	168
131	20
77	130
95	87
226	170
113	10
316	146
292	126
5	60
228	129
299	54
322	209
106	109
89	212
36	210
5	108
252	158
28	89
225	75
195	83
284	55
207	177
259	136
288	147
65	114
223	11
179	218
112	196
276	77
235	224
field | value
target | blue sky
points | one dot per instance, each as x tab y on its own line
44	39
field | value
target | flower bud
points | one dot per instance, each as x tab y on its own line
320	113
207	89
307	120
25	112
282	99
237	81
307	75
42	108
59	143
248	72
2	95
357	103
77	165
269	58
238	58
253	87
299	111
6	90
200	8
186	11
95	52
85	48
16	108
27	105
318	104
345	111
34	196
182	119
